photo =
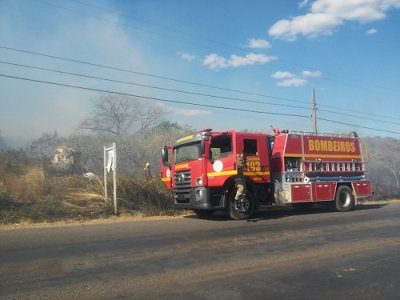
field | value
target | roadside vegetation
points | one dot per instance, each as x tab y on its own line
61	178
35	186
31	192
34	196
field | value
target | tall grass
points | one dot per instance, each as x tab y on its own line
28	187
28	194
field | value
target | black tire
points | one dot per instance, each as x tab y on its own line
344	199
201	213
241	211
303	206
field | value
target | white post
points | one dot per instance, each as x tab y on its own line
115	179
105	176
110	164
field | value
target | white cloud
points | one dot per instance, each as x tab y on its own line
215	62
296	82
310	25
371	31
259	44
249	59
288	79
188	56
282	75
307	73
326	15
302	3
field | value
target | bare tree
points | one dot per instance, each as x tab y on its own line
384	154
119	115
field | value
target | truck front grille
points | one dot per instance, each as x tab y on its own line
182	186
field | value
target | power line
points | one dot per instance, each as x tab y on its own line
361	83
179	80
358	117
148	74
188	102
340	110
358	126
152	86
345	81
150	98
187	92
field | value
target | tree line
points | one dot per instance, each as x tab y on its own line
140	131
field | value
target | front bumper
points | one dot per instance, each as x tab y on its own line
201	198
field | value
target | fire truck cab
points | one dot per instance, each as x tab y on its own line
281	169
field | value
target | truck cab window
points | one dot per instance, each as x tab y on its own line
221	146
271	141
250	147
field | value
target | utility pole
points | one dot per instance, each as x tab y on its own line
314	113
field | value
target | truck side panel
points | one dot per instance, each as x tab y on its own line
324	191
301	192
362	188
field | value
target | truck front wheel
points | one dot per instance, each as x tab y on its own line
344	200
240	210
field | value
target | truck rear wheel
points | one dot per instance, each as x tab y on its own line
344	200
241	210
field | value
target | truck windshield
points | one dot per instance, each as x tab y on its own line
187	152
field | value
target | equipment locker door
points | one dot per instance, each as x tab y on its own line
362	188
324	191
301	192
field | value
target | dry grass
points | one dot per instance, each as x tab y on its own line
33	197
28	194
26	188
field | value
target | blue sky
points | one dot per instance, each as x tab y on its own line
273	52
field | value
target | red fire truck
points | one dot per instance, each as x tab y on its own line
284	168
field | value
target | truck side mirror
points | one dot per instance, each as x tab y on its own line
165	157
206	137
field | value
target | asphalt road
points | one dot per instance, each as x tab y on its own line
276	255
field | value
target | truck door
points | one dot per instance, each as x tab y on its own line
166	162
255	148
221	163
